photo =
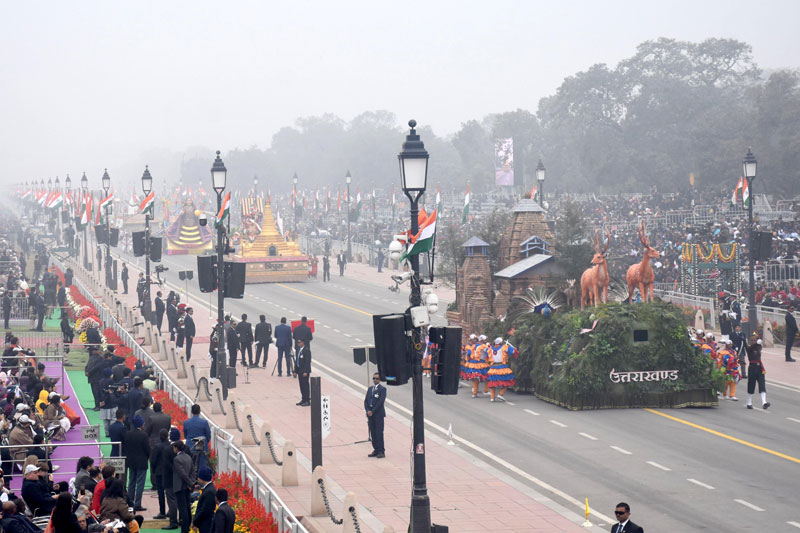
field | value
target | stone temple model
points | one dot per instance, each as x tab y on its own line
185	235
269	257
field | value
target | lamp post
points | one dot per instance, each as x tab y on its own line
147	187
218	178
348	178
106	187
414	175
68	190
749	167
85	189
58	212
540	179
294	202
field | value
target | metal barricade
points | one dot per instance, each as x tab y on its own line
231	458
690	300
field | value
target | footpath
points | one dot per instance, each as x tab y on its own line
466	494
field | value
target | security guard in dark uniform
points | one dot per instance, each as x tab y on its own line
373	405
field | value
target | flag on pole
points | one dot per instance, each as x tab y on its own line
736	191
107	200
465	212
25	194
745	193
224	210
534	193
358	203
423	241
86	216
328	201
55	200
338	200
394	204
316	199
97	215
147	203
438	200
373	201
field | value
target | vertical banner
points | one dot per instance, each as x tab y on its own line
504	162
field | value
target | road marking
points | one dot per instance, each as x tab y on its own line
590	437
336	330
557	423
795	524
621	450
358	340
326	326
748	504
725	436
704	485
662	467
346	334
510	403
492	457
323	299
793	419
534	413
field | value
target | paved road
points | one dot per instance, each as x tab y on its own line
724	469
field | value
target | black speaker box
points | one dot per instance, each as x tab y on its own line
392	348
101	233
446	359
234	279
763	247
114	237
207	272
138	243
155	249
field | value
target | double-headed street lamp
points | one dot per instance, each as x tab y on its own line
414	175
347	179
147	187
218	179
540	179
85	189
749	168
106	188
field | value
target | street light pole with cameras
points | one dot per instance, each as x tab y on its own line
147	187
85	189
218	179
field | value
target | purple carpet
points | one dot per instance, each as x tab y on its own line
66	456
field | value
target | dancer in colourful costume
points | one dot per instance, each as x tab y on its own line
475	368
730	362
499	374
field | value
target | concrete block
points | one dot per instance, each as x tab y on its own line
289	468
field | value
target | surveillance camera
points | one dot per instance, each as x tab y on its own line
395	246
401	278
203	219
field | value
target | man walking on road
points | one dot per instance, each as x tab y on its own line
245	332
623	514
374	406
263	339
283	342
303	370
791	333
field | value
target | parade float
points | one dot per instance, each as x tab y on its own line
616	355
269	256
185	235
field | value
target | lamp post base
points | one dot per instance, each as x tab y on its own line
420	514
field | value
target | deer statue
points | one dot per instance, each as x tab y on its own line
570	291
595	280
641	274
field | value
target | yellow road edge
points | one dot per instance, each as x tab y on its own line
725	436
323	299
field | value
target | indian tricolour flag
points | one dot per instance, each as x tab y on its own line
86	216
25	194
148	202
358	203
55	200
745	193
224	210
438	199
423	241
465	212
736	191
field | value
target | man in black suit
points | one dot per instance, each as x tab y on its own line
232	339
172	318
791	333
341	260
137	458
7	309
303	332
283	342
373	405
124	277
204	513
263	339
623	514
302	369
326	268
160	308
189	331
225	517
245	332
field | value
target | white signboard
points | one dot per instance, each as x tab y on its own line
325	414
90	432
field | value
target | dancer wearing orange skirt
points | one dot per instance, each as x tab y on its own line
474	368
500	375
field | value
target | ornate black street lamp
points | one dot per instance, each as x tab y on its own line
85	189
147	187
106	187
219	176
749	169
347	179
540	179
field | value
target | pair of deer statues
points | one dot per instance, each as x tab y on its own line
595	280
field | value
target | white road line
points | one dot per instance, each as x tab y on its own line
534	413
347	335
795	524
793	419
510	403
557	423
704	485
590	437
326	326
621	450
749	505
336	330
661	467
358	340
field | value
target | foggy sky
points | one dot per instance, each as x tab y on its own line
86	85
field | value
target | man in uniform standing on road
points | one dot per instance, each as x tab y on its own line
189	331
623	514
302	369
124	277
283	342
376	413
160	308
245	332
326	268
263	338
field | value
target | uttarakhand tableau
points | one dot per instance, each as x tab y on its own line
185	235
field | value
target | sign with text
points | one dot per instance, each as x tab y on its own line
117	462
325	414
90	432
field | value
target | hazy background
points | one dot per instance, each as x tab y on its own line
87	85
